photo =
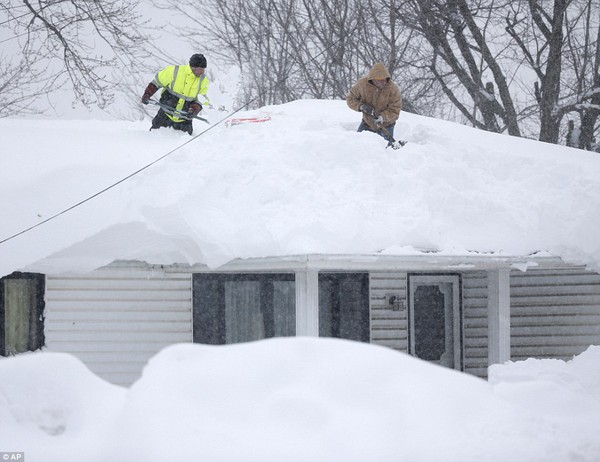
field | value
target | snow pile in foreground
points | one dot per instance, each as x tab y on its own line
53	408
554	387
299	399
302	183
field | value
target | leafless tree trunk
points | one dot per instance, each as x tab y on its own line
545	59
582	59
549	91
559	45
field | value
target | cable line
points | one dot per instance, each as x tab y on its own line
14	18
15	37
122	180
145	167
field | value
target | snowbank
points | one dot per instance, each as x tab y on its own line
53	408
303	183
299	399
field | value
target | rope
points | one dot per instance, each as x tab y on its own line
145	167
122	180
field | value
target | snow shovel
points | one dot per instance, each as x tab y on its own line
395	144
175	112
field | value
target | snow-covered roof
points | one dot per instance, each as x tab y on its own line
303	183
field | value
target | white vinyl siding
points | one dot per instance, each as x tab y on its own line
475	323
114	319
555	313
389	327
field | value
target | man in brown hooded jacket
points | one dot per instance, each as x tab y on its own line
380	101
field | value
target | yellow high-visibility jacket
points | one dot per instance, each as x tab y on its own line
181	82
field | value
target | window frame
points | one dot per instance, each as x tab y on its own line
457	312
200	319
336	278
36	338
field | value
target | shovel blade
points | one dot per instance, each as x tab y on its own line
397	144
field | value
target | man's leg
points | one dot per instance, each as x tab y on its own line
388	136
161	120
388	133
185	126
363	126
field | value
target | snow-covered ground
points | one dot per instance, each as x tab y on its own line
300	399
304	182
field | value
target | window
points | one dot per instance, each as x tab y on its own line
429	318
234	308
21	313
344	306
435	319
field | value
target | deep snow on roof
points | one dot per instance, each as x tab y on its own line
304	182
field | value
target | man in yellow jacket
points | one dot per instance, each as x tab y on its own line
380	101
181	86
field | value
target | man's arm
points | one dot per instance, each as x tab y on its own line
354	99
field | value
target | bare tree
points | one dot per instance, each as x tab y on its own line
465	60
20	86
559	44
330	54
290	49
582	89
542	29
76	42
460	59
257	35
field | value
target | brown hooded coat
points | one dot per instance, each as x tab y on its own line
386	101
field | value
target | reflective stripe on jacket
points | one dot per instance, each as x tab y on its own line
181	82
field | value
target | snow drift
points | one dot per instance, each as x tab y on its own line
299	399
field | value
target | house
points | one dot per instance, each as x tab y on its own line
462	313
336	238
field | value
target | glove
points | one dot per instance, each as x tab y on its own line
148	92
367	109
194	109
379	121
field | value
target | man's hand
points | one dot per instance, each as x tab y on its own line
367	109
379	121
150	90
194	109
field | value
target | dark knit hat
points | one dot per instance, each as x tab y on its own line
198	60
